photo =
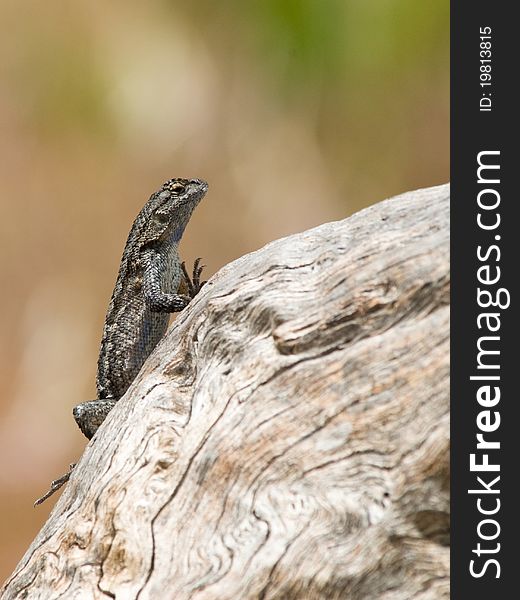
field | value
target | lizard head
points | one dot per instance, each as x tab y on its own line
169	208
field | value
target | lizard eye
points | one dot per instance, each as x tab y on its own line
178	188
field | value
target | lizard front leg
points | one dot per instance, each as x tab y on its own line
193	283
156	299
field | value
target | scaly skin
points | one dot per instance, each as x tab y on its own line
149	286
146	292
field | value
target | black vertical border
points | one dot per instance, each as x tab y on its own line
473	131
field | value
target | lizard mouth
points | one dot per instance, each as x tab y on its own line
200	183
198	189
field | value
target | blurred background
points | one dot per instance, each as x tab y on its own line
296	112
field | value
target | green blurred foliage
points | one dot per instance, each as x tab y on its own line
306	43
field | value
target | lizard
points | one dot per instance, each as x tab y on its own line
152	283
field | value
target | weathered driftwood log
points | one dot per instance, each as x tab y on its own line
287	439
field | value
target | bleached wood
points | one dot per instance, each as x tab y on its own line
287	439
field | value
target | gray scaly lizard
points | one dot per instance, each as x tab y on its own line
152	283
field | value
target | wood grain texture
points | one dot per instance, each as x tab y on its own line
289	437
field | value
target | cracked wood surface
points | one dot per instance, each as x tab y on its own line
287	439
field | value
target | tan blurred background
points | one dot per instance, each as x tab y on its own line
296	112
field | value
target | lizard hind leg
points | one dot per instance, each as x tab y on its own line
56	485
90	415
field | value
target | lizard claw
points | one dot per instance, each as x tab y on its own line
55	485
194	284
